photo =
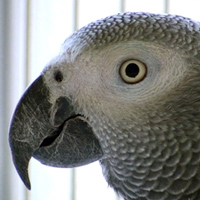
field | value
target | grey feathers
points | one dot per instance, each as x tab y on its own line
170	30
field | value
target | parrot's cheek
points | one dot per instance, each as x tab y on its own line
53	134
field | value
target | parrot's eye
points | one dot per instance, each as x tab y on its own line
132	71
58	76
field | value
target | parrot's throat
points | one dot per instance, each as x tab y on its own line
152	162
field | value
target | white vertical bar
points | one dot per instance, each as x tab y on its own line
28	39
27	58
75	27
166	5
75	14
12	81
2	99
122	5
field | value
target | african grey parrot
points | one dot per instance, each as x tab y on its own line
124	90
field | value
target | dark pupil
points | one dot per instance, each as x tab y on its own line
132	70
58	76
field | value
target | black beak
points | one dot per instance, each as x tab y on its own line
51	132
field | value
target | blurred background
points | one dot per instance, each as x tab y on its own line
31	33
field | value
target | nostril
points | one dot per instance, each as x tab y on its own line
58	76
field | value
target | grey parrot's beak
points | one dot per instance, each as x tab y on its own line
53	134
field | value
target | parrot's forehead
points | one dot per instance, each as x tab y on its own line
174	31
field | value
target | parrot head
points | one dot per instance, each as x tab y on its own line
124	90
